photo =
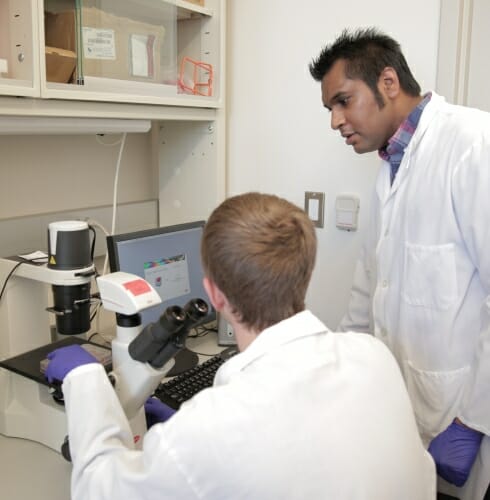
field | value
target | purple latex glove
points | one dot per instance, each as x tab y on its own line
157	412
64	359
454	452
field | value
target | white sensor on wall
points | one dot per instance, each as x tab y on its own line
347	212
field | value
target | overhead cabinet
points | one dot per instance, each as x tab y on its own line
135	51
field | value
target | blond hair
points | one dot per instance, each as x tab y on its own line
260	251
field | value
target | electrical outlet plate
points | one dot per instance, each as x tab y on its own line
315	207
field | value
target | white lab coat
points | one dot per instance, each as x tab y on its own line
423	278
302	414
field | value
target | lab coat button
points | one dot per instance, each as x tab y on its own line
384	283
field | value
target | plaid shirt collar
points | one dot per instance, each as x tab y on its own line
394	150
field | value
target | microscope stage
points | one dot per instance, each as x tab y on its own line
29	364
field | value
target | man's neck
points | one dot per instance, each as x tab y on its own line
403	107
406	106
244	336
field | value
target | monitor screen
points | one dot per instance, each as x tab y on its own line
169	259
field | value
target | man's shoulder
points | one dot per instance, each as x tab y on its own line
365	347
463	118
363	339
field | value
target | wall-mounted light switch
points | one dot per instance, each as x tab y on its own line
315	206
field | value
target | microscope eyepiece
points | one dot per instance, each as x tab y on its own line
196	309
172	319
159	342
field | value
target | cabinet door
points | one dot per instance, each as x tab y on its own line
19	68
138	51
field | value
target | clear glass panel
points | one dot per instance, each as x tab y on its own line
60	40
133	41
198	44
16	43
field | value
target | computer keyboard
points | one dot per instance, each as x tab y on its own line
179	389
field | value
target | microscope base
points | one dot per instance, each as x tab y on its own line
29	411
32	413
27	407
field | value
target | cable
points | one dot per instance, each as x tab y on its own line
92	316
8	277
98	225
122	142
91	224
116	180
97	324
101	336
202	332
92	249
102	143
203	353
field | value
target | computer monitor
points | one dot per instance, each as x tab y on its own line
169	259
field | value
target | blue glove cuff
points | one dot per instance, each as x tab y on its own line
454	451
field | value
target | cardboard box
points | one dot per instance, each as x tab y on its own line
60	64
113	46
197	2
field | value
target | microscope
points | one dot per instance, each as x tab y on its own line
141	357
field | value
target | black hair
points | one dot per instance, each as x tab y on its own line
366	52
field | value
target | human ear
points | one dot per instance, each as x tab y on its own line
216	296
388	82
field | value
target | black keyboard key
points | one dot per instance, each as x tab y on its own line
179	389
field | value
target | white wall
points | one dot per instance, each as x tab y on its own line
279	136
42	174
46	178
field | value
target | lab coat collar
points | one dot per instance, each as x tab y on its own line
427	116
300	325
384	188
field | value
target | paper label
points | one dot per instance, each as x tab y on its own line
141	48
137	287
99	44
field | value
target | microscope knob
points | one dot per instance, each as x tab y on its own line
65	449
56	392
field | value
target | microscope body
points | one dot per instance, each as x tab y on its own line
127	295
143	356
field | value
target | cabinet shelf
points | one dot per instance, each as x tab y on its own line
186	10
27	106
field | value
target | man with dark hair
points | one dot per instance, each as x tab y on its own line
422	281
300	413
